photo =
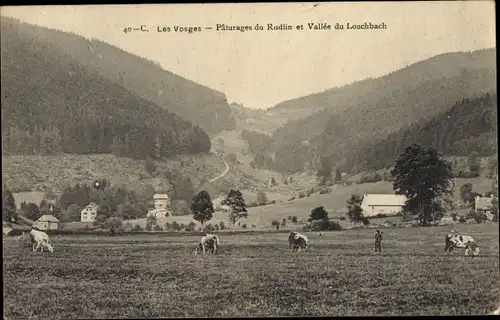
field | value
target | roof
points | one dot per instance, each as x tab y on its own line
483	203
384	200
91	204
161	196
48	218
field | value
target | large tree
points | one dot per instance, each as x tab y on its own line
9	206
466	192
236	206
202	207
318	213
424	177
324	174
354	211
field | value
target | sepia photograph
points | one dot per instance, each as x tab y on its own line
229	160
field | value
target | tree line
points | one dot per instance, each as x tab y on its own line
59	105
469	126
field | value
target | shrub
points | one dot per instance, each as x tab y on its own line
381	215
222	225
182	227
301	195
342	218
370	177
289	217
158	228
216	227
480	217
244	226
136	228
291	199
365	221
276	224
324	191
208	228
253	226
462	219
252	204
272	202
174	226
190	227
333	225
294	219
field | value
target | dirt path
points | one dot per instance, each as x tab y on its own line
222	174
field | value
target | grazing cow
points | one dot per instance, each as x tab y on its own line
210	241
298	241
291	239
460	241
301	242
41	240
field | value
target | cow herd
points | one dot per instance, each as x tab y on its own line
297	242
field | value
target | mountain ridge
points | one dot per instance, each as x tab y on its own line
192	101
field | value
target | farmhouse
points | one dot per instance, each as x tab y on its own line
89	213
47	222
162	206
484	205
388	204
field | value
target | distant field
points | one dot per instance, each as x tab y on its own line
253	275
56	172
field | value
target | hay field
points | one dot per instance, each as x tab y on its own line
140	276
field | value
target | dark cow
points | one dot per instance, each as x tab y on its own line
460	241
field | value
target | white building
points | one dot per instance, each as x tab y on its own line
388	204
89	213
47	222
162	206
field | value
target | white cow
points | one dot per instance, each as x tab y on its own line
460	241
41	240
210	241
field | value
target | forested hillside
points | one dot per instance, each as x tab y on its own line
469	126
200	105
374	108
51	103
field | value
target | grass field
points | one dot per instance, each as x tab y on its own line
40	173
140	276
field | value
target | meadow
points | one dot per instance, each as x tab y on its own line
142	276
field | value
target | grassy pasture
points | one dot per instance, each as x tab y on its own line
334	202
138	276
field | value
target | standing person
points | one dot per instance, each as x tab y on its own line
378	241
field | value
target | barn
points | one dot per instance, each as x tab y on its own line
386	204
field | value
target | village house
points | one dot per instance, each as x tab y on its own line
387	204
47	222
89	212
162	206
484	205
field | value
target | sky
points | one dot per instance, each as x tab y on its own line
262	68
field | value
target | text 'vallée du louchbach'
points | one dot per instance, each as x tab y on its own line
316	26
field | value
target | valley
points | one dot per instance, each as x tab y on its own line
355	126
